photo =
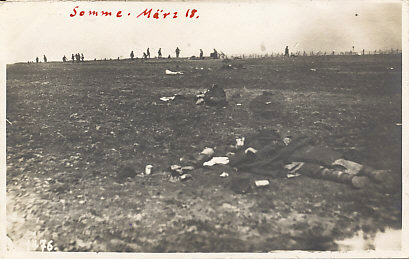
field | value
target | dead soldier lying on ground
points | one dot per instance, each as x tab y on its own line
265	153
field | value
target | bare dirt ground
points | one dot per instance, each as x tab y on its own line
75	126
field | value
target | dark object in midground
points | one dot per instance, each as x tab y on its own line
215	96
240	185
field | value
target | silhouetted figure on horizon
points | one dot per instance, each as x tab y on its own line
82	57
145	56
45	59
160	53
177	51
148	53
214	54
201	54
132	55
169	56
64	59
72	58
286	52
37	60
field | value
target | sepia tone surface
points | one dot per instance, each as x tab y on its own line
80	135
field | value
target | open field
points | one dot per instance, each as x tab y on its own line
75	126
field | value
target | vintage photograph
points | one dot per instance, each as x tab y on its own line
203	127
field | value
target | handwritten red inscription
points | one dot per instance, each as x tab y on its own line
147	13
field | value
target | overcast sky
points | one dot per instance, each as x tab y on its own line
37	28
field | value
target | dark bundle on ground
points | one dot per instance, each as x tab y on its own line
215	96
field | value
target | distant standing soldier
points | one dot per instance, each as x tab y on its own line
45	59
132	55
82	57
160	53
286	53
64	59
214	54
177	51
201	54
148	53
36	59
72	57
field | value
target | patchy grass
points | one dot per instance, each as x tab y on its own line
74	126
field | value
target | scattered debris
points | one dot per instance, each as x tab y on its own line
177	170
208	151
269	102
165	99
313	69
287	140
294	167
148	169
217	160
292	175
262	183
175	167
74	115
200	101
265	153
224	175
238	104
186	177
9	121
170	98
200	97
250	150
168	72
240	142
